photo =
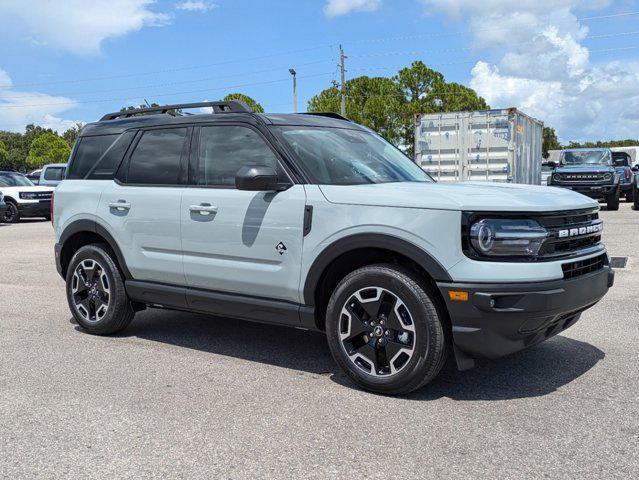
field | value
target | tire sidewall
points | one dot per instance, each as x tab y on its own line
425	318
16	214
92	252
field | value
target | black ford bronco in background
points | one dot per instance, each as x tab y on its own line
591	172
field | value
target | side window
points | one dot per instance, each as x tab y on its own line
225	149
111	159
156	158
54	173
88	152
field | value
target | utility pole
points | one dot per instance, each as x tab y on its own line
342	57
294	73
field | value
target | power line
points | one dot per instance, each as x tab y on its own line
182	82
169	70
228	87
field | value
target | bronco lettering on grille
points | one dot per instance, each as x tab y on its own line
577	231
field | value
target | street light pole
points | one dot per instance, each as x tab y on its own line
294	73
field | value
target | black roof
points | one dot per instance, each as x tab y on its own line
118	122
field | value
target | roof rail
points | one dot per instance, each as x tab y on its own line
232	106
327	114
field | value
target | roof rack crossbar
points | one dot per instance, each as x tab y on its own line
232	106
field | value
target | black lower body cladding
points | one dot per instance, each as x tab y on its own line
39	209
500	319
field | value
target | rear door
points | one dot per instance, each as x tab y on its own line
235	241
142	206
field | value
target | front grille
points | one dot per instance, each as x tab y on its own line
582	267
570	232
581	177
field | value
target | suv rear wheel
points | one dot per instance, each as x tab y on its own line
384	330
612	202
95	291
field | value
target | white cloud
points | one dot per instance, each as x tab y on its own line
545	69
14	115
79	26
196	5
335	8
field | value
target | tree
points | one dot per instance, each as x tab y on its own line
550	141
4	156
71	134
246	99
48	148
427	91
372	101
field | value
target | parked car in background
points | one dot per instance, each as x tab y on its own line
23	198
3	207
319	223
589	171
621	162
635	186
52	174
546	172
34	176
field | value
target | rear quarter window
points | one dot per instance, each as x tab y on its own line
89	150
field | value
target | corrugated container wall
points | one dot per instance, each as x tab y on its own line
486	145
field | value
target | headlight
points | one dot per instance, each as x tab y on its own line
556	177
607	176
28	195
494	237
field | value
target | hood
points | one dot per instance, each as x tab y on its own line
585	168
469	196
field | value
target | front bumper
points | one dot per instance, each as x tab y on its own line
58	258
41	208
592	191
499	319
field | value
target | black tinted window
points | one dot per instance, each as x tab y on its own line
54	173
89	151
225	149
156	158
110	161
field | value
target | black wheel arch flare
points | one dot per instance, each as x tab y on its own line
370	240
93	227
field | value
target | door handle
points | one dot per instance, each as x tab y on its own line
203	209
120	205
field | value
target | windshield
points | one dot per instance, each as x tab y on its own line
585	157
15	180
337	156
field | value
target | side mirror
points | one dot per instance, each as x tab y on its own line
256	178
635	168
552	164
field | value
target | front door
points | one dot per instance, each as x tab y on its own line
234	241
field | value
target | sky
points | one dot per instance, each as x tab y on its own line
574	64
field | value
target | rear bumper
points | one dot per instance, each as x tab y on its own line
58	263
41	208
499	319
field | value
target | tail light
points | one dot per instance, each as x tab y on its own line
51	207
628	174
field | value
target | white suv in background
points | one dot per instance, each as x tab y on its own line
23	198
312	221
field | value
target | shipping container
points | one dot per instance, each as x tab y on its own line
486	145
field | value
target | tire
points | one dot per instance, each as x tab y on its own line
629	196
636	197
612	202
416	356
12	214
88	287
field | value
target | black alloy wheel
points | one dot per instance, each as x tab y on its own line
11	214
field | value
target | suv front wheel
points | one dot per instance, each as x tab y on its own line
96	293
384	329
612	202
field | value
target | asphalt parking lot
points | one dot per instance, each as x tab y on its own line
180	395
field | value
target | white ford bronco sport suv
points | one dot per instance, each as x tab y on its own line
312	221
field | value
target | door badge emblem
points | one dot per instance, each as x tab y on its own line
281	248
